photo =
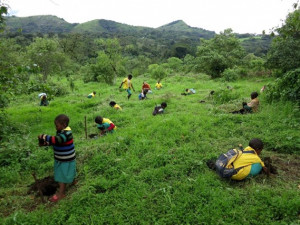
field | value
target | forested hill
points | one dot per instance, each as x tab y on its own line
53	24
176	34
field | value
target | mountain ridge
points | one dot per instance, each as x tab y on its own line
54	24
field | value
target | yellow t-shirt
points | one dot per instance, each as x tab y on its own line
92	94
126	83
245	161
158	85
105	120
116	106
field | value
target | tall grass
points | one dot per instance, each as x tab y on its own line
152	170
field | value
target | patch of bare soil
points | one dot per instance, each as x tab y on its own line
287	166
45	187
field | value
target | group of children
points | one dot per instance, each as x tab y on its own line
247	164
62	141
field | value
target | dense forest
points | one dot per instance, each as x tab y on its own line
153	169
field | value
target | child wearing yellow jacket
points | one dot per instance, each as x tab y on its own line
249	161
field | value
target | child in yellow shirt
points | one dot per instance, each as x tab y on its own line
115	105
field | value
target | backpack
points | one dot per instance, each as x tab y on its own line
224	164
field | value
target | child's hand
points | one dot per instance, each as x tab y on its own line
42	142
265	169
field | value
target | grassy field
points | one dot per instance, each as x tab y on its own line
152	170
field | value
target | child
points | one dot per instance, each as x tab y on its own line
254	103
158	85
105	125
250	107
127	85
64	154
146	87
159	109
189	91
143	95
44	101
249	163
115	105
92	95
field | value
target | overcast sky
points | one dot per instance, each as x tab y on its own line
243	16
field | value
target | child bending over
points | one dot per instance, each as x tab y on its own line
189	91
115	105
64	154
159	109
105	125
92	95
250	162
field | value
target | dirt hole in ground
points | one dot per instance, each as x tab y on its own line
47	186
93	136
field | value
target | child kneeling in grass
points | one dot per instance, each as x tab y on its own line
105	125
159	109
249	162
246	164
115	105
92	95
64	155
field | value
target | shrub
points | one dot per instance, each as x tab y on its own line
225	95
157	71
286	88
230	75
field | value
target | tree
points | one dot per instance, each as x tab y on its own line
174	64
157	71
110	63
47	55
221	52
284	53
3	11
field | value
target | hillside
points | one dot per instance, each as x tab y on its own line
53	24
152	169
38	24
175	32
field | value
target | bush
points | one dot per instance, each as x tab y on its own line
286	88
230	75
51	88
157	71
225	95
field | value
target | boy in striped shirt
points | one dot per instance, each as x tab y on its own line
64	154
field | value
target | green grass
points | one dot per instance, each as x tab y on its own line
152	170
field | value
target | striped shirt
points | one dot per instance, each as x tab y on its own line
63	146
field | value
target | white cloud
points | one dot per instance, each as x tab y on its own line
243	16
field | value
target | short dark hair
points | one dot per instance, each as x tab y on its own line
163	104
94	92
256	144
98	119
254	95
129	76
62	119
112	103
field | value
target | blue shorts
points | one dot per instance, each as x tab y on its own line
64	172
128	91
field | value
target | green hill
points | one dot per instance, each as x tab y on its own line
181	26
53	24
38	24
